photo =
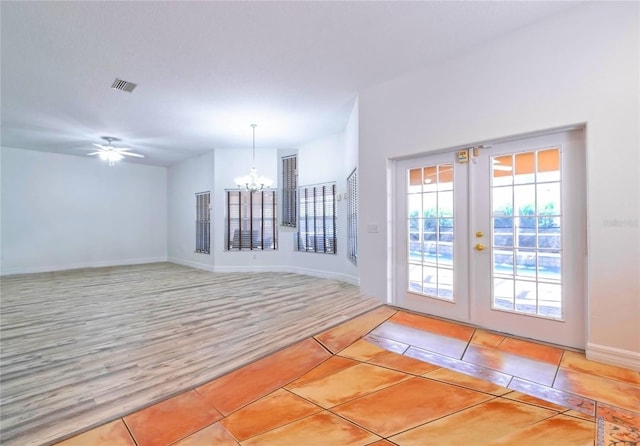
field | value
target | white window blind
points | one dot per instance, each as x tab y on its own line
203	222
289	190
352	217
251	222
317	219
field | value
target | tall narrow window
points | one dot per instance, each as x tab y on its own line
289	190
251	220
352	217
317	219
203	222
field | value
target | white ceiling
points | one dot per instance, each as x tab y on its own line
207	70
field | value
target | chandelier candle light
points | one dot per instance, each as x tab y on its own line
253	182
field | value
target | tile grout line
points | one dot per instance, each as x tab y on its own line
353	422
283	386
322	409
135	441
551	387
411	375
512	377
466	347
321	344
447	415
555	375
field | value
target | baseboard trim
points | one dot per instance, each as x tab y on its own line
289	269
189	263
326	275
613	356
70	266
202	266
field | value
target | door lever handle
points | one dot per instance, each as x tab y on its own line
480	247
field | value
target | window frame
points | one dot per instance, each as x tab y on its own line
352	217
317	224
248	231
289	164
203	222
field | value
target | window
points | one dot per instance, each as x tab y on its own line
289	190
352	217
251	220
317	219
203	222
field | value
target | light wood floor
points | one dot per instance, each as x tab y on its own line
82	347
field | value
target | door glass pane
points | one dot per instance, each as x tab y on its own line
526	263
445	283
415	204
445	177
415	180
415	277
502	170
525	168
430	201
502	201
430	221
430	175
503	294
527	217
526	297
503	262
549	298
549	165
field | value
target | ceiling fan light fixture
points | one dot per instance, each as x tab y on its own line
112	154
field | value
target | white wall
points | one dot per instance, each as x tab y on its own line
580	67
62	212
319	161
184	181
327	159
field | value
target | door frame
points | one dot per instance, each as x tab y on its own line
459	309
398	248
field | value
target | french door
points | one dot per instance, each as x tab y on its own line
496	236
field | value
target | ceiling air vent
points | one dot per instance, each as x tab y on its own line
119	84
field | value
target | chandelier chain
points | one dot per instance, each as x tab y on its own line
253	182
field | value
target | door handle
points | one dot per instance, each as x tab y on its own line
480	247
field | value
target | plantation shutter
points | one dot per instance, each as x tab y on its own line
289	190
251	222
317	219
203	222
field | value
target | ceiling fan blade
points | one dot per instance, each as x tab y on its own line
137	155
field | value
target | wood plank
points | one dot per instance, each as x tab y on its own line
82	347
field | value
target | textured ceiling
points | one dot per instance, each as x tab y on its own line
207	70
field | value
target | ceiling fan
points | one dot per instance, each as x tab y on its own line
111	153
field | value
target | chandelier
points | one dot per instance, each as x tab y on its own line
253	182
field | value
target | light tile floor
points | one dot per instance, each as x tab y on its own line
394	378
